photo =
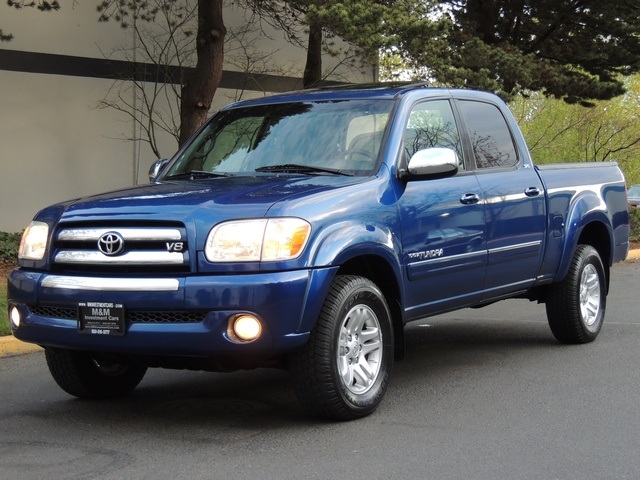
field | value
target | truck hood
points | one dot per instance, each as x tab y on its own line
199	201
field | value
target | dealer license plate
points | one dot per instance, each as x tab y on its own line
101	318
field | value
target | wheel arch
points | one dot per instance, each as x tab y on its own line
597	235
595	230
380	271
370	250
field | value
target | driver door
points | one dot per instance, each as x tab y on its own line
443	228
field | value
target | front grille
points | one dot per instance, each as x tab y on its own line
55	312
166	317
134	316
126	248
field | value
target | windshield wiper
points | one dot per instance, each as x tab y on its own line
193	174
305	169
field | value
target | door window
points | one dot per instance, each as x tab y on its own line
489	134
431	124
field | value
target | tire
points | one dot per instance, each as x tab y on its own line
85	375
343	371
576	305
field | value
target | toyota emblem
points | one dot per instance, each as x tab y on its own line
111	243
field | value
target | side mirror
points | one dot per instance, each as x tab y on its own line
157	168
441	162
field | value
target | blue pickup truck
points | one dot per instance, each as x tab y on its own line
303	231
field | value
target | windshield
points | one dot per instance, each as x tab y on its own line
634	191
341	137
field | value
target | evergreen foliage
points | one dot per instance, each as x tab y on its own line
574	50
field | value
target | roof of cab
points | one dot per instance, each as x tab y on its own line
339	92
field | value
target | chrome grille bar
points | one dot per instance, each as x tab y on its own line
112	284
134	234
154	257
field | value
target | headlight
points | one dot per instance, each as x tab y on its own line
257	240
34	241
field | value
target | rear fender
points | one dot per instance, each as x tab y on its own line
587	210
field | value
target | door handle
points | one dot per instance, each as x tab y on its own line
470	198
532	192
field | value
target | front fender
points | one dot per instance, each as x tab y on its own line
347	240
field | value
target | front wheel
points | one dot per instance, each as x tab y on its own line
85	375
576	305
343	371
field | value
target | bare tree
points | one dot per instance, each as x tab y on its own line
609	130
198	87
160	54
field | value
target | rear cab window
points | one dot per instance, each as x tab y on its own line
492	144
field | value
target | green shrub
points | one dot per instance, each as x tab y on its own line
634	221
9	243
4	321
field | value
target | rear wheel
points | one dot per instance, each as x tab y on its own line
343	371
85	375
576	305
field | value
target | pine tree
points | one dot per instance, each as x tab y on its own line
577	50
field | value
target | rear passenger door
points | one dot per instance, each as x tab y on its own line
514	198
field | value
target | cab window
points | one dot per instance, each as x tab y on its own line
490	136
431	124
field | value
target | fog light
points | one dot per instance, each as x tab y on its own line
15	317
246	328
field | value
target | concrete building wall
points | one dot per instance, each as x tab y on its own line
56	144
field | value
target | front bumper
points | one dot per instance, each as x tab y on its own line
287	304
